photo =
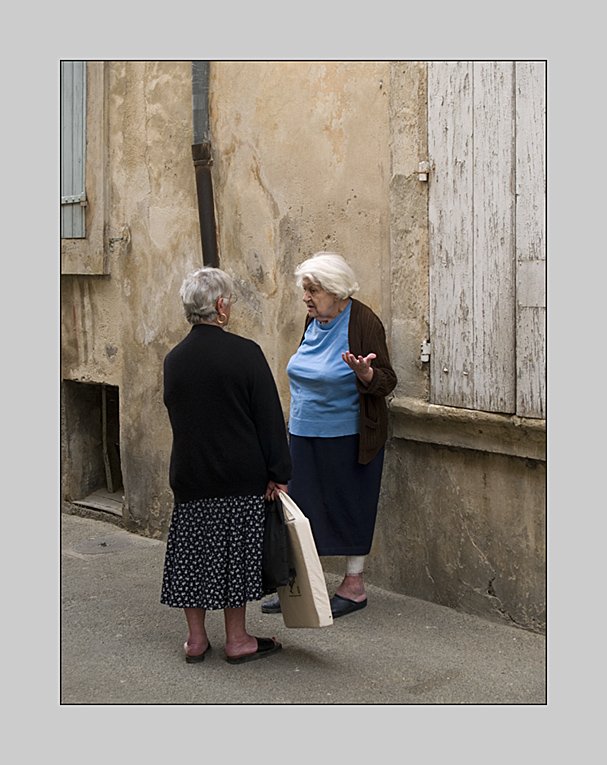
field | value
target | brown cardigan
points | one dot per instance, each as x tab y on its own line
366	335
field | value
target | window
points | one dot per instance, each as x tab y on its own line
84	167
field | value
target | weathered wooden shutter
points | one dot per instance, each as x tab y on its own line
451	214
486	352
530	238
73	149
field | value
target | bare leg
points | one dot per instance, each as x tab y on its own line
197	642
352	587
238	641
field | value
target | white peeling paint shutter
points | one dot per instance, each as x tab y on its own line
451	214
475	142
531	238
73	149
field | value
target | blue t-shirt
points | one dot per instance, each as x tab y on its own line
324	397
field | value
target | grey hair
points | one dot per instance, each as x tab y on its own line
331	272
200	292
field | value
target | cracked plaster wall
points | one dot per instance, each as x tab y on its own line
308	156
465	529
117	328
458	526
301	163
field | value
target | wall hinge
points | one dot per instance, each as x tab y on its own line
75	199
126	238
426	350
423	170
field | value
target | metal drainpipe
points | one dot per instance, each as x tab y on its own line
202	155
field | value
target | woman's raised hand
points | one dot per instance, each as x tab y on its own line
361	365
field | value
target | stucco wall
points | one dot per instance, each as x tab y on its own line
117	328
463	506
307	156
302	164
465	529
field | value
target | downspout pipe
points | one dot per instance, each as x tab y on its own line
202	154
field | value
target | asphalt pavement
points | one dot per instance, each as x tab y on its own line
119	645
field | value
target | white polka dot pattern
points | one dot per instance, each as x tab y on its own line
213	556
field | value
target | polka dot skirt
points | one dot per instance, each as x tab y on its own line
213	556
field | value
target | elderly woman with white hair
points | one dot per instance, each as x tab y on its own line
338	425
229	453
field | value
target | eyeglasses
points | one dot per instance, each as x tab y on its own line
232	299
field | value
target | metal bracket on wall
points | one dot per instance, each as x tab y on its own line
423	170
202	155
426	350
126	238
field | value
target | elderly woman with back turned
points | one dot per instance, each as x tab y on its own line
230	450
339	378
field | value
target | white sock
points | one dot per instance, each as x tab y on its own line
355	564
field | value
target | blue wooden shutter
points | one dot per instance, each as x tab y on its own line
73	149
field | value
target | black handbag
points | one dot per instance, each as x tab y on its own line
275	558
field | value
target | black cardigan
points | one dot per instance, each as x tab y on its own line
229	435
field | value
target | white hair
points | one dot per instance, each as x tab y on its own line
331	272
200	292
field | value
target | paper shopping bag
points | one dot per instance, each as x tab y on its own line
304	601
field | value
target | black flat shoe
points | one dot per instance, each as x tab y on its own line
265	647
271	606
342	606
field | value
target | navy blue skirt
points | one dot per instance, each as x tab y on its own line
336	492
